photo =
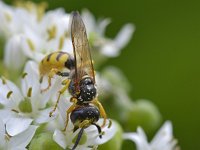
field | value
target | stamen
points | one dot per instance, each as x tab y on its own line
8	16
9	94
30	44
41	7
29	92
7	137
24	75
14	110
3	80
61	42
30	6
52	32
110	123
99	130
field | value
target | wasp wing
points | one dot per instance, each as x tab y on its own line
82	55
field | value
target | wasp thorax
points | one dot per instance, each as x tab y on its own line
87	90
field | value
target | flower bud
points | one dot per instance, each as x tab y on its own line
144	114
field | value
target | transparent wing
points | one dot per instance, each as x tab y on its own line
82	55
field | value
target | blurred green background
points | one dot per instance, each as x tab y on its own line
162	60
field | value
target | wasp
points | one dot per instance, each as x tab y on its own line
85	109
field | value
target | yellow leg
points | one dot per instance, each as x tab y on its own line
71	108
60	93
85	123
101	109
50	75
66	81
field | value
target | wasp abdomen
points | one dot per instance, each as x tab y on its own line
85	113
56	60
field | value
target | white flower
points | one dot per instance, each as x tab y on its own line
18	141
163	140
27	102
96	33
15	19
14	57
51	35
65	139
39	37
112	82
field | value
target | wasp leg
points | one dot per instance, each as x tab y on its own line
78	138
50	75
64	82
102	111
71	108
99	129
53	72
85	123
63	74
60	93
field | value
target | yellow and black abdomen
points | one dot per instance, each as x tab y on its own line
56	60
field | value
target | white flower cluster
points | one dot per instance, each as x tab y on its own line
30	34
30	37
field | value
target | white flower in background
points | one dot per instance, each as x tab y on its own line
18	141
35	43
163	140
15	19
96	33
27	103
112	82
91	135
13	50
51	36
51	32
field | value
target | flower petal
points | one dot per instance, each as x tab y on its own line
164	138
15	96
138	138
112	47
89	20
124	36
17	125
43	116
31	80
14	58
7	113
93	135
60	138
2	134
103	23
21	140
